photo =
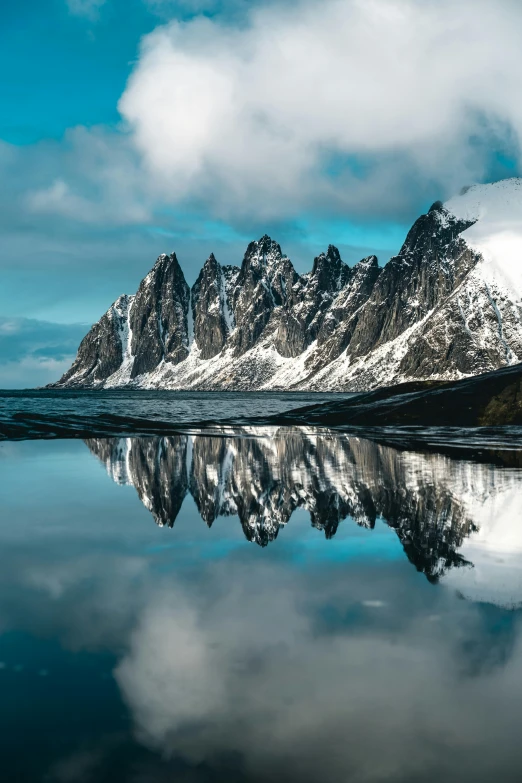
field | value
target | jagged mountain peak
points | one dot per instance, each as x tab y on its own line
332	255
449	304
263	252
366	263
430	235
437	206
158	318
329	272
267	242
211	264
211	307
166	267
166	259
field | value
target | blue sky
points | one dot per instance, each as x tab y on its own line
130	128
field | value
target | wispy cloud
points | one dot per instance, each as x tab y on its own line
60	199
87	8
33	353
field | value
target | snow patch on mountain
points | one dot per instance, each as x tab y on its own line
122	308
497	231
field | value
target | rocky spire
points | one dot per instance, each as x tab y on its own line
211	309
329	272
266	282
159	317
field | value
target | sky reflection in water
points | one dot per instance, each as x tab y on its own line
359	621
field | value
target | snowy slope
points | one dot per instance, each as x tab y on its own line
497	232
483	314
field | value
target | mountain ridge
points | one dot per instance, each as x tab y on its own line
447	306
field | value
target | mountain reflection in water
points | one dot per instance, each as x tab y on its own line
459	521
131	653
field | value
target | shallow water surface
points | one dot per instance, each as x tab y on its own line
270	605
51	412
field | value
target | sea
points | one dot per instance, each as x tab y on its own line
252	605
47	412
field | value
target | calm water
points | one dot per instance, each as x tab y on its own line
166	406
271	606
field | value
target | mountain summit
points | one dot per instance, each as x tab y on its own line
449	305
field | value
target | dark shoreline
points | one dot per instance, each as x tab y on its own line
484	411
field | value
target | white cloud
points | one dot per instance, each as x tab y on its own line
9	327
59	199
87	8
247	118
99	180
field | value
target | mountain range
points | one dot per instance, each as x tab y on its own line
448	306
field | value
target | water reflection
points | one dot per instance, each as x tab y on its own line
188	655
459	521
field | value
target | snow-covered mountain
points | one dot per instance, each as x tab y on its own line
457	520
449	305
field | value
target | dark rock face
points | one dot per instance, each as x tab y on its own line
265	282
350	299
338	323
101	351
159	317
328	277
430	264
329	273
263	481
212	308
291	337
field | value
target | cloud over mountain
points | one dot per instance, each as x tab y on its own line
316	122
333	103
